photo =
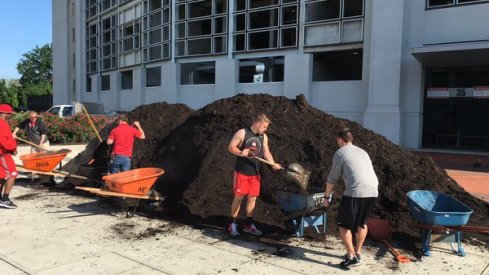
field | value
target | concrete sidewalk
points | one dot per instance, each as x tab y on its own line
57	231
66	232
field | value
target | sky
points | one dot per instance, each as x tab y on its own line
24	24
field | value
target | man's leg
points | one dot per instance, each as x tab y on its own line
235	206
126	164
5	200
9	183
114	166
250	206
360	238
346	237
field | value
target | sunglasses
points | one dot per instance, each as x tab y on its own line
33	116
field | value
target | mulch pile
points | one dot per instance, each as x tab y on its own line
191	146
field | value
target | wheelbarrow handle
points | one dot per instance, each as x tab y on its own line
463	228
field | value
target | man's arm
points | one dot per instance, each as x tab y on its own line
110	138
14	133
328	189
266	153
43	132
138	126
235	143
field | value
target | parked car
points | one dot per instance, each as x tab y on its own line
62	110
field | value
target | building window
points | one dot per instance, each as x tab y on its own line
451	3
105	82
153	76
333	21
337	65
89	84
129	35
273	72
156	26
198	73
265	25
126	80
201	27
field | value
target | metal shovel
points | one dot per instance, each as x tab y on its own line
295	173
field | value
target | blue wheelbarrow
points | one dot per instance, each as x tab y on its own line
434	211
302	210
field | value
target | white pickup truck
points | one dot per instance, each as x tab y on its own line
65	110
62	110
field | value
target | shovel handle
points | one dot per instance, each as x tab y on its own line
32	144
267	162
399	257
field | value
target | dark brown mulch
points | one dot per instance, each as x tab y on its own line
192	148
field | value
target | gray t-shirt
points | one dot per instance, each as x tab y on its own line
353	164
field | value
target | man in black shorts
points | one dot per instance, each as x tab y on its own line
354	166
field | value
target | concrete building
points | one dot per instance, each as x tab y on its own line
415	71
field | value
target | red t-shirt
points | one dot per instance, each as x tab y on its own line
123	136
7	141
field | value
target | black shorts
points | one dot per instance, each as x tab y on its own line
353	212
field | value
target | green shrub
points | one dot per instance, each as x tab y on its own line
73	129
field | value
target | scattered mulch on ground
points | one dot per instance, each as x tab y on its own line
192	149
29	196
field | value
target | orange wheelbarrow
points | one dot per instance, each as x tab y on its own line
44	161
132	184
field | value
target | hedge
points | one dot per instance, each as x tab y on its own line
61	130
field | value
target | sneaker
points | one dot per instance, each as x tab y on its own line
252	230
7	204
359	257
233	229
345	264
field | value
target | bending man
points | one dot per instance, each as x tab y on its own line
354	166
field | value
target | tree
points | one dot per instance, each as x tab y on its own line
10	93
36	71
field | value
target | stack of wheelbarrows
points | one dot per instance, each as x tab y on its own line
134	185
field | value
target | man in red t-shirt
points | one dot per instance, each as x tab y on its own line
8	147
122	137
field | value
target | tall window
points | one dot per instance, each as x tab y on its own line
105	82
261	25
201	27
156	24
153	76
333	21
198	73
126	80
89	84
108	52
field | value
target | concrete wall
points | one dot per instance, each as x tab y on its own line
339	98
61	58
457	24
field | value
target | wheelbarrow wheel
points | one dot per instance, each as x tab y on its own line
152	205
57	180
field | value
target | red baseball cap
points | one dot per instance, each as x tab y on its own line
5	108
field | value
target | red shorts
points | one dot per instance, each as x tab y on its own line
7	167
246	185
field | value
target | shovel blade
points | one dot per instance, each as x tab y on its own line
298	175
